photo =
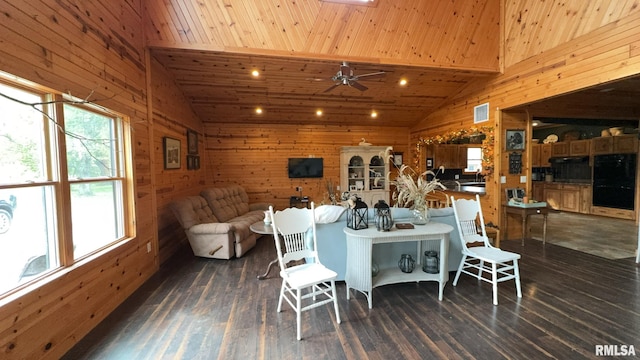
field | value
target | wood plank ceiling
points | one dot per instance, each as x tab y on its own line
221	88
211	47
298	45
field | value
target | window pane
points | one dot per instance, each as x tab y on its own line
91	147
28	235
474	160
21	137
97	215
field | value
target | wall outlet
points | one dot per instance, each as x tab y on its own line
149	247
503	179
456	176
523	179
338	188
299	188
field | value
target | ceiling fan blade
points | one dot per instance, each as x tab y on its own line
357	85
370	76
332	87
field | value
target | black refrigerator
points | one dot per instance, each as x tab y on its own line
614	180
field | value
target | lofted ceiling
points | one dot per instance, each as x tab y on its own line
221	88
211	47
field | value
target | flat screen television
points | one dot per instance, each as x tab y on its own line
305	168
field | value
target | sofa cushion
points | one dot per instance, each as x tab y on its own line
192	210
242	223
228	202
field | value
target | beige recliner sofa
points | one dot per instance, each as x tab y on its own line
217	222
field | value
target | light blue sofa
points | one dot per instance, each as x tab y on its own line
332	247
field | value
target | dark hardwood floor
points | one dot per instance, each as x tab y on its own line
215	309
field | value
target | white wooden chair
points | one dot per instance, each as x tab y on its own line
295	229
484	262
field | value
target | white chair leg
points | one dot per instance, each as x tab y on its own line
455	280
335	300
281	295
494	282
480	270
516	272
298	310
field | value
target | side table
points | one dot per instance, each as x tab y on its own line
360	245
299	202
261	228
524	213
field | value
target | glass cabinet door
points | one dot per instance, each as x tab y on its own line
377	174
356	174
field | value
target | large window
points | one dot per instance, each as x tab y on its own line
63	181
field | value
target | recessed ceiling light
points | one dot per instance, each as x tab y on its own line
255	73
258	110
319	112
374	114
403	82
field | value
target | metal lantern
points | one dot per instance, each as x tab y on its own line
357	215
382	216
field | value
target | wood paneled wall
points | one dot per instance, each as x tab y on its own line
172	116
256	156
84	48
440	34
605	54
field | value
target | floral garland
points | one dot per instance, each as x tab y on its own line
487	144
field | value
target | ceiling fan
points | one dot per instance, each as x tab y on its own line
345	76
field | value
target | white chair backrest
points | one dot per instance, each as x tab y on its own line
296	229
468	214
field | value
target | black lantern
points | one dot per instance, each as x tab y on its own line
382	216
357	215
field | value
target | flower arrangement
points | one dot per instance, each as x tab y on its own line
331	192
412	188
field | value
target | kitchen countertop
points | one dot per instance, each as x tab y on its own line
471	188
569	182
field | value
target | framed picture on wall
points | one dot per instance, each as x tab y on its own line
192	142
514	140
429	163
171	153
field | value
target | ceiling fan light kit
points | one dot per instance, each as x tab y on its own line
345	76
